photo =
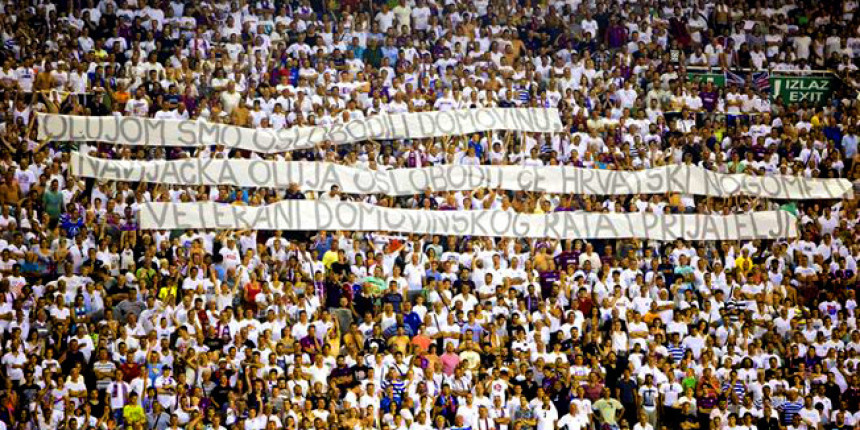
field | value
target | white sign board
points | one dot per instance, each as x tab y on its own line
320	176
309	215
194	133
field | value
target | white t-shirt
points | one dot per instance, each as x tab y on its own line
403	15
385	20
547	418
25	77
801	46
572	422
12	359
137	107
420	17
231	257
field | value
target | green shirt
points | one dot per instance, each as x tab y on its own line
688	382
683	271
378	285
53	202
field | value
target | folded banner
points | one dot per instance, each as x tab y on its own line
192	133
318	176
310	215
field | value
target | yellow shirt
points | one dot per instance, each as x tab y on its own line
133	414
815	121
745	265
166	291
328	258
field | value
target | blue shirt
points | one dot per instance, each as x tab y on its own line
849	143
413	321
391	53
153	371
322	246
433	275
220	271
479	150
477	331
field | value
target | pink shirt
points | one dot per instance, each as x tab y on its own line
449	363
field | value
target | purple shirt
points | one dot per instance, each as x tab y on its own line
709	100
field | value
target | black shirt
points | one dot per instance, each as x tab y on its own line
362	303
338	267
343	378
769	423
380	343
73	358
561	400
220	393
613	374
333	293
687	418
28	392
214	343
97	408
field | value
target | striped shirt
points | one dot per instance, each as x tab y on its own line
677	353
106	366
789	410
733	310
397	387
739	388
524	95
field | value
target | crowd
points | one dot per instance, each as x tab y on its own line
105	326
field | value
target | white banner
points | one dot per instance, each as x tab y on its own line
318	176
193	133
310	215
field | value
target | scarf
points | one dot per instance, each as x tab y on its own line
115	391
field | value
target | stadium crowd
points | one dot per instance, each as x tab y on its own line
105	326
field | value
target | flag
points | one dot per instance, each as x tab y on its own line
761	80
734	78
790	206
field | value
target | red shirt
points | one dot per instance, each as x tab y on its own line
584	304
129	371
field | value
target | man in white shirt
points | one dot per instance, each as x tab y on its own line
165	387
499	414
230	98
26	75
547	415
643	423
648	395
14	361
118	392
420	16
385	18
139	105
403	13
573	420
